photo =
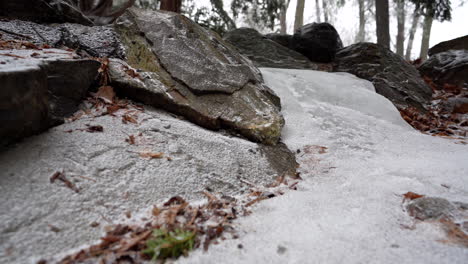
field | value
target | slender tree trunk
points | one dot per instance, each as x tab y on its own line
400	44
317	11
382	23
426	37
412	32
325	11
171	5
361	36
283	24
299	19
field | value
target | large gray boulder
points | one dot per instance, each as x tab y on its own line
111	182
460	43
39	88
191	71
265	52
317	41
391	75
449	67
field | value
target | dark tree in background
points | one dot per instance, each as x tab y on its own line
171	5
430	10
382	22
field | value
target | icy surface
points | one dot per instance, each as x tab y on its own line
349	207
112	178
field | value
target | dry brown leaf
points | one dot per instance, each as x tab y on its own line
127	118
151	155
411	196
106	93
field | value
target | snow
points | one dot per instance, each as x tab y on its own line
348	208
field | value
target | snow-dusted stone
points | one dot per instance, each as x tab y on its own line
193	72
265	52
39	88
450	67
317	41
431	208
97	41
42	11
460	43
41	219
391	75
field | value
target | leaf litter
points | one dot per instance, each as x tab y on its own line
175	227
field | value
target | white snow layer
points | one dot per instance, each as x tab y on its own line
349	207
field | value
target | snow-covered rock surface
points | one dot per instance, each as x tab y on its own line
40	218
349	207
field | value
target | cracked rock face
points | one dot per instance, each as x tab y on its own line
193	72
449	67
39	88
97	41
265	52
391	75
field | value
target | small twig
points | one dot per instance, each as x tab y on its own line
13	55
247	182
16	34
40	35
87	178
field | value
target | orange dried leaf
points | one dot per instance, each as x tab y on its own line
151	155
411	196
106	93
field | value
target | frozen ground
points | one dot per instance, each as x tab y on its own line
349	207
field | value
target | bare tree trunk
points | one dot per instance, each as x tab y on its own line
299	19
171	5
361	36
412	32
426	37
400	44
325	10
283	24
382	23
317	10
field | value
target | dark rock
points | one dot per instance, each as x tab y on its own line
391	75
450	67
455	105
264	52
42	11
454	44
39	89
282	39
97	41
191	71
317	41
431	208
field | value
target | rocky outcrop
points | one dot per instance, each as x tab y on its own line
317	41
97	41
266	53
282	39
193	72
391	75
454	44
112	180
43	11
450	67
39	88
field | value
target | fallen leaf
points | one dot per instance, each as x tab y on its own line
130	140
411	196
93	129
106	93
127	118
151	155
